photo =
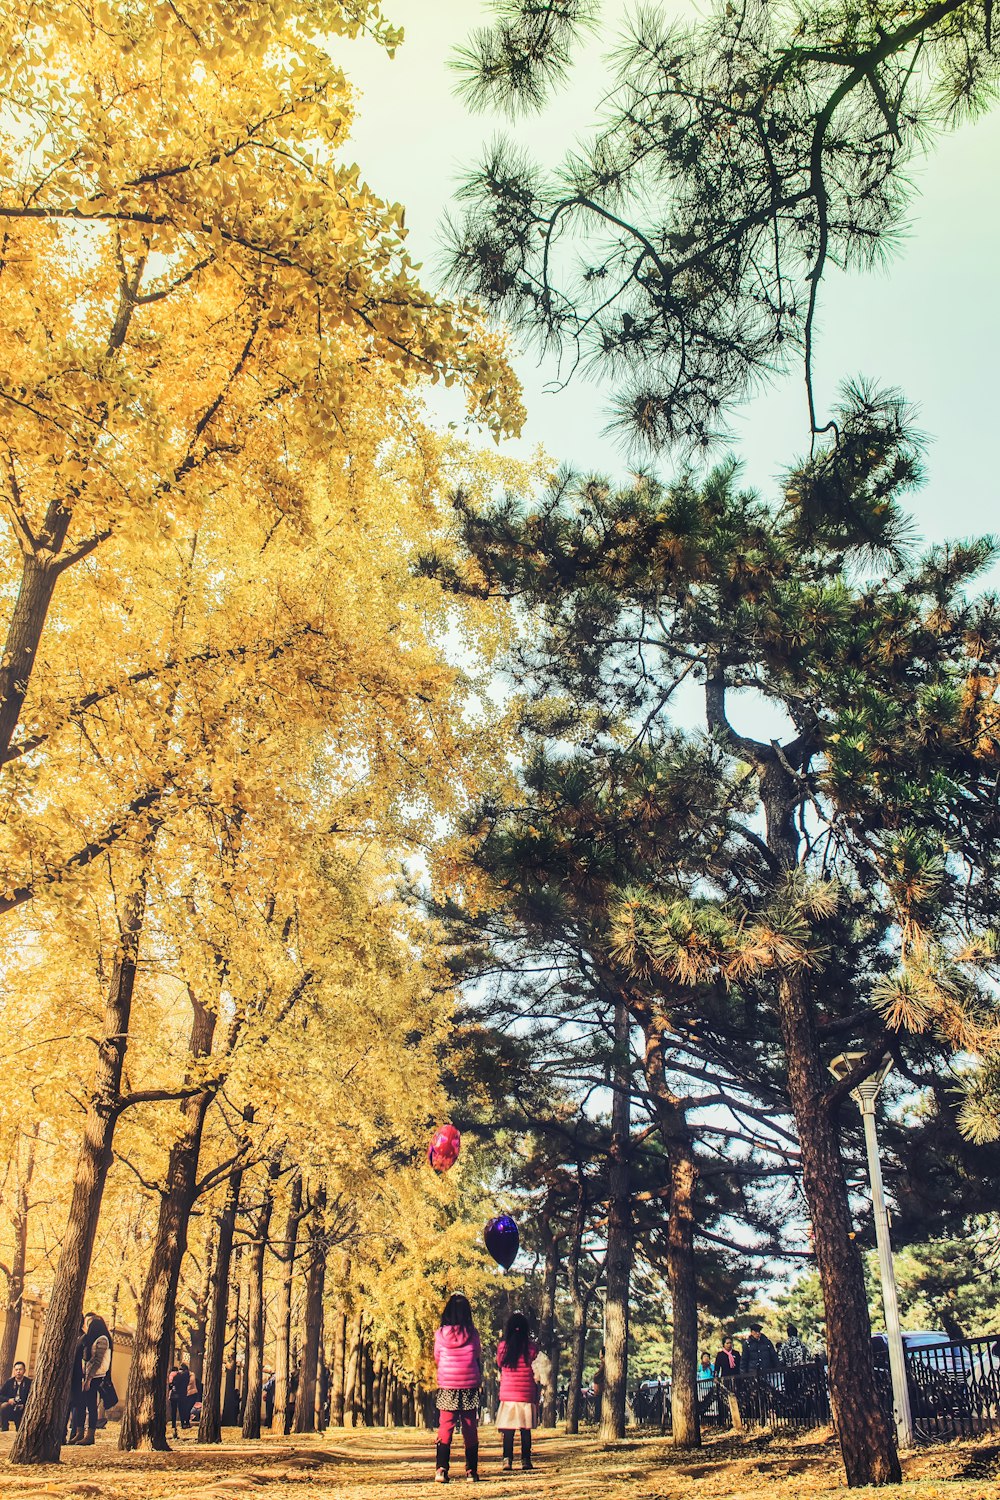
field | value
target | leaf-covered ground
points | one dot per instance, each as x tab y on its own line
376	1465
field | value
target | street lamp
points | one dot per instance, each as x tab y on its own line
864	1096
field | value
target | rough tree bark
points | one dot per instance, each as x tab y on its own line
337	1373
18	1262
351	1413
867	1442
866	1438
305	1398
44	1422
283	1316
144	1417
255	1305
618	1262
41	570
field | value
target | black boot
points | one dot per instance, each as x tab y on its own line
472	1464
442	1459
526	1449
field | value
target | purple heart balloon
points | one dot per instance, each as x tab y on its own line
502	1240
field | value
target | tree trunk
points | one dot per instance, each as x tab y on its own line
682	1279
305	1399
44	1422
255	1308
866	1438
230	1383
618	1262
381	1375
242	1346
369	1386
39	575
322	1373
547	1339
282	1361
337	1376
15	1280
144	1417
351	1413
210	1425
580	1302
197	1339
867	1442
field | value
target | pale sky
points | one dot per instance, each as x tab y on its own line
929	323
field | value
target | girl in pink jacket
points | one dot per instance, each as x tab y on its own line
459	1360
518	1390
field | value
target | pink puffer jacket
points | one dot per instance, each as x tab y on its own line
517	1383
459	1358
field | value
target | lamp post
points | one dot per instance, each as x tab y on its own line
864	1096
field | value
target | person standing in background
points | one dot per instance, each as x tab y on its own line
95	1354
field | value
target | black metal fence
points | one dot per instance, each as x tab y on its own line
795	1398
954	1388
954	1392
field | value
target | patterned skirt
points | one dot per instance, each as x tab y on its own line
449	1399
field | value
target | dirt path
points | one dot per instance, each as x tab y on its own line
394	1465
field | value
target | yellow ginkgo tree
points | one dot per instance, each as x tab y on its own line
214	473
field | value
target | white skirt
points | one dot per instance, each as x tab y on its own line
516	1415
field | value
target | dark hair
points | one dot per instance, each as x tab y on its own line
793	1332
457	1312
98	1329
517	1338
755	1328
19	1362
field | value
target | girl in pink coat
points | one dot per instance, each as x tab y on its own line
459	1360
518	1390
